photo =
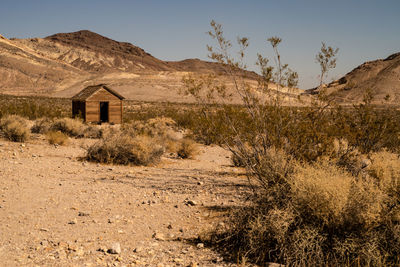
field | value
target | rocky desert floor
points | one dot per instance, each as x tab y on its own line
58	210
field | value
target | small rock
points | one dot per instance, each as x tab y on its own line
81	213
193	264
200	183
102	249
74	221
169	225
365	163
115	249
178	260
44	229
159	237
138	249
190	202
44	243
200	245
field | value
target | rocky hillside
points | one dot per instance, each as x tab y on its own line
62	64
381	77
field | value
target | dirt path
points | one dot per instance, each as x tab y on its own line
56	210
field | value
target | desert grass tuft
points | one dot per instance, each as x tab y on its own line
57	138
126	150
188	149
71	127
15	128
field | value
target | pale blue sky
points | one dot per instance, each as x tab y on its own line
174	30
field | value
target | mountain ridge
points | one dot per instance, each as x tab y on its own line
380	77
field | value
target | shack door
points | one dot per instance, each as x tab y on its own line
103	111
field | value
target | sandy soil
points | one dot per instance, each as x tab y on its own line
57	210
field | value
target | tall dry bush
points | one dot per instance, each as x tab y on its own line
14	128
316	202
42	125
69	126
124	149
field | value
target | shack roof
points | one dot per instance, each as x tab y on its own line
90	90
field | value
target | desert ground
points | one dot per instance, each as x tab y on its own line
59	210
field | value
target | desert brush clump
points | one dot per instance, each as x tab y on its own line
318	214
57	138
15	128
124	149
155	127
69	126
93	131
41	125
324	177
187	148
166	131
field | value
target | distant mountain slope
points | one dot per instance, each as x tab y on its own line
381	77
62	64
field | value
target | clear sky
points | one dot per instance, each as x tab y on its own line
174	30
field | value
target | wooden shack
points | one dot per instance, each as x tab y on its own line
98	104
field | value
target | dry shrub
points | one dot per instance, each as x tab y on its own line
385	168
318	214
155	127
57	138
93	131
126	150
15	128
41	126
161	128
71	127
321	192
187	149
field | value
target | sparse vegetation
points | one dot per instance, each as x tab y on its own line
34	107
71	127
127	150
14	128
41	126
317	200
187	149
57	138
93	131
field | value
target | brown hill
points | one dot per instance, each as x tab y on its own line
381	77
62	64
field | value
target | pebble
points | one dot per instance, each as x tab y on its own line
178	260
44	243
190	202
115	248
81	213
74	221
200	245
159	236
138	249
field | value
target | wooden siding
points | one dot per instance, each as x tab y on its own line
114	108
